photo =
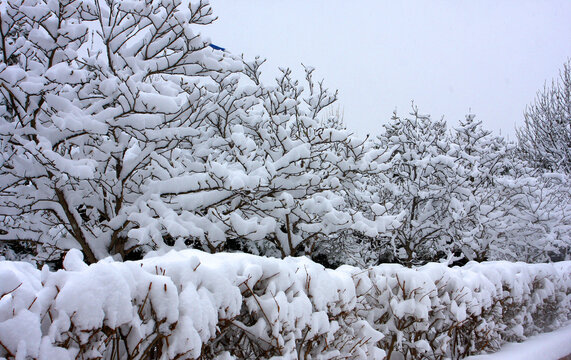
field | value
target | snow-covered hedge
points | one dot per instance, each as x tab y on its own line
189	304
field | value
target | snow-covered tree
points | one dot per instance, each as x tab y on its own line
541	225
544	143
276	179
508	210
123	132
415	184
485	195
545	138
93	94
465	194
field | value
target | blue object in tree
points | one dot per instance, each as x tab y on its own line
216	47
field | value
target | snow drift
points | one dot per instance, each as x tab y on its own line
189	304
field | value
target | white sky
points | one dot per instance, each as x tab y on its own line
490	56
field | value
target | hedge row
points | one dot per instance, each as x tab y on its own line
192	305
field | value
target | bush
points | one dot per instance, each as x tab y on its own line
193	305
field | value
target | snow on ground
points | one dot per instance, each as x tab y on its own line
548	346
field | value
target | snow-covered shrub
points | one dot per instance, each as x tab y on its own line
112	308
191	305
437	312
296	308
182	305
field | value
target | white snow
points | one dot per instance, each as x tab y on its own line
548	346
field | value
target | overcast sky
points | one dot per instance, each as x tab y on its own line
450	57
